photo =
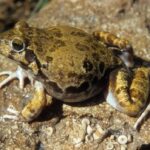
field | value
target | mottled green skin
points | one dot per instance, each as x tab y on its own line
69	61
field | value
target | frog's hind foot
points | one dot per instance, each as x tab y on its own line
19	74
121	47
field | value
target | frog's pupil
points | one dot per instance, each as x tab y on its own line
17	45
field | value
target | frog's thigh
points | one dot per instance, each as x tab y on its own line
36	104
122	48
111	39
125	97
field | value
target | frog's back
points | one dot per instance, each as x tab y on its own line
76	62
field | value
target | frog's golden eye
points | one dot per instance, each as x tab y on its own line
17	45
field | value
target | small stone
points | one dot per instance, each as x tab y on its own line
77	140
96	135
122	139
85	121
109	146
89	130
129	138
49	131
112	137
89	138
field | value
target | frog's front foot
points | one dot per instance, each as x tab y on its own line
19	74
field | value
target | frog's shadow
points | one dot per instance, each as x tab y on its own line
56	108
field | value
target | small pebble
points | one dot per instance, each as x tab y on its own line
85	121
109	146
122	139
96	135
129	138
89	138
49	131
89	130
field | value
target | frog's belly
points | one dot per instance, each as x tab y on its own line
74	94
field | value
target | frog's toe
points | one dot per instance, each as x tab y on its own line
19	74
11	76
36	104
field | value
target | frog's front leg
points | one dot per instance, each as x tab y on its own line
19	74
36	104
130	95
122	48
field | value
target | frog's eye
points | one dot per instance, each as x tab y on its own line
17	45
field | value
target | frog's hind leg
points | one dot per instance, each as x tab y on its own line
122	48
132	97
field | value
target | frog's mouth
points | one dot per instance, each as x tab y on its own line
73	93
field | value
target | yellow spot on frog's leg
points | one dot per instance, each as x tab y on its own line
36	105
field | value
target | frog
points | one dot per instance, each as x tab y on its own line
70	65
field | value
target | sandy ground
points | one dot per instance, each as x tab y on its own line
66	127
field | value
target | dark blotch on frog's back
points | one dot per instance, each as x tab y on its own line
82	47
49	59
95	56
59	43
40	50
56	43
78	33
87	65
83	87
56	32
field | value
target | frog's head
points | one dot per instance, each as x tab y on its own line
15	43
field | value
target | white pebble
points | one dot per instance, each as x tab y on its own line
77	140
49	131
11	109
96	135
85	121
130	138
109	146
99	128
89	138
89	130
122	139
